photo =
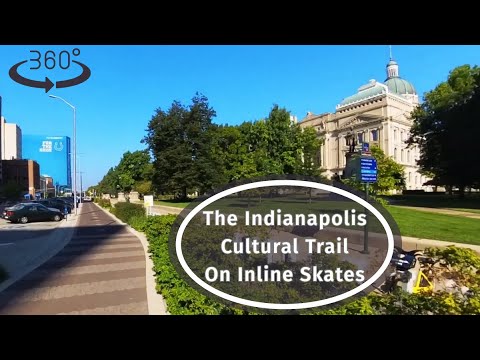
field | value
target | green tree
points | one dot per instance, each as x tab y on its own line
445	127
390	174
271	146
143	187
180	140
310	148
233	153
109	182
133	167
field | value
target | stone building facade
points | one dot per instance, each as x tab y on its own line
379	113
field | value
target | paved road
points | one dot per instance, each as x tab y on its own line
101	271
21	245
13	232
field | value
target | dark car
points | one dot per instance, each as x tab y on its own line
56	204
28	212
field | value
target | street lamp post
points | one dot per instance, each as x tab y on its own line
74	149
81	186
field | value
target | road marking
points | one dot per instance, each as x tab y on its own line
6	244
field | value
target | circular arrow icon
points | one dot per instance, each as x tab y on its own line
48	84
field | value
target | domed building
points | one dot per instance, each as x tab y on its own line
379	113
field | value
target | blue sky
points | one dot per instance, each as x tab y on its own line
241	82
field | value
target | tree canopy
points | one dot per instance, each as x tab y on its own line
133	171
191	153
180	139
446	128
269	146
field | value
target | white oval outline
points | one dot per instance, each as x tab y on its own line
276	306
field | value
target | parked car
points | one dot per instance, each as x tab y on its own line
56	204
28	212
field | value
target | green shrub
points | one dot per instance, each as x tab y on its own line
125	211
138	222
164	197
104	203
3	274
181	299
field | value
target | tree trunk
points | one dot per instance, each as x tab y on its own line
461	191
184	193
449	189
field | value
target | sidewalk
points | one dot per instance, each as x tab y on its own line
100	271
411	243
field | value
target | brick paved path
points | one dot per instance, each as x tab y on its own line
101	271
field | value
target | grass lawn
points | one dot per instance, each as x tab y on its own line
411	222
3	274
471	201
172	203
436	226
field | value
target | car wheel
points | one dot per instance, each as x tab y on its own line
24	220
57	218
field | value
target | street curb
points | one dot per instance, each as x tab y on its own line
156	302
45	254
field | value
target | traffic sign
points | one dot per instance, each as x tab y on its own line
368	170
365	147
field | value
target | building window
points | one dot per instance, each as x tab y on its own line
408	156
402	159
409	177
416	179
374	135
395	155
402	135
360	138
394	134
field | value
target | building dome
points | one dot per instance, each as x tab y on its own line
400	86
391	62
372	89
395	83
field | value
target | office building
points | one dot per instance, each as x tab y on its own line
11	141
52	154
25	173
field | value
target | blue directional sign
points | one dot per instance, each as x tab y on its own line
368	170
365	147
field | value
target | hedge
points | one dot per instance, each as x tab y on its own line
104	203
181	299
125	211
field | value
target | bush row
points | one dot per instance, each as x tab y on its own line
105	203
125	211
183	299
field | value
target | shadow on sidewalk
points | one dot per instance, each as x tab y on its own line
85	240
